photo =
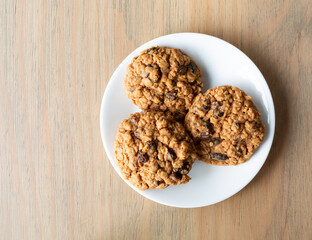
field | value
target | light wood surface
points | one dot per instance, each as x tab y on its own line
56	58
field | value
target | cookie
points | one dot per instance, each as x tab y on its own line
226	126
163	79
153	150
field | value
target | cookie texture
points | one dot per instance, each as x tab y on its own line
163	78
153	150
226	126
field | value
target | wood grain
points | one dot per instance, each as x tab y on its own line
56	58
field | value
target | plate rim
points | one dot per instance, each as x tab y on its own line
270	100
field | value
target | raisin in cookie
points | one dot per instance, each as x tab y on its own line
226	126
163	78
153	150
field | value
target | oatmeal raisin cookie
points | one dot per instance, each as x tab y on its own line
153	150
226	126
163	78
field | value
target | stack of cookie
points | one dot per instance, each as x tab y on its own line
157	147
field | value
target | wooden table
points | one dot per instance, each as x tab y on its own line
56	58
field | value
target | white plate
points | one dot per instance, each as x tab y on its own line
221	63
